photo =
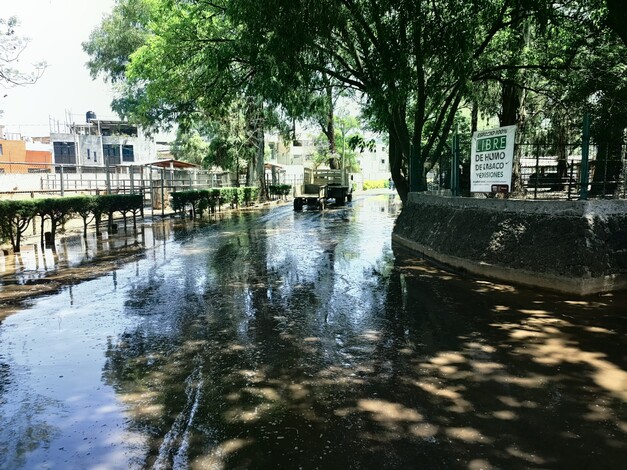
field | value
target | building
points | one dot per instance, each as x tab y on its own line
99	144
21	156
374	165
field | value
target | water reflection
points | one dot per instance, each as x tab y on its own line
287	340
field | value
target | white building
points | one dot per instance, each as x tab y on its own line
293	158
101	144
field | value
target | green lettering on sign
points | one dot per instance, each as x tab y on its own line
491	143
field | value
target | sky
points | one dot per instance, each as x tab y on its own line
56	29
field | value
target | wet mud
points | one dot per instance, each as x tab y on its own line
303	340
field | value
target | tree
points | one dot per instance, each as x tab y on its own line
179	64
12	45
411	59
190	146
417	61
119	35
414	62
15	218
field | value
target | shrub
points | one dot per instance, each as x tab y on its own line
376	184
15	217
279	189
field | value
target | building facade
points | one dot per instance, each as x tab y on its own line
100	144
20	156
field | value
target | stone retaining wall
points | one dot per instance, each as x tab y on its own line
576	247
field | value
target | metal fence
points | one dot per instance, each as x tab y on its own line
154	182
543	170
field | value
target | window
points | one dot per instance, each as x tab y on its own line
0	149
111	150
111	154
127	153
64	153
88	154
95	156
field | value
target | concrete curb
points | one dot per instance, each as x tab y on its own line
575	247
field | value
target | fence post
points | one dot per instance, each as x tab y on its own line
162	192
585	149
62	193
455	166
535	188
108	175
570	178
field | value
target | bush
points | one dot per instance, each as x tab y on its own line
201	200
15	217
376	184
279	189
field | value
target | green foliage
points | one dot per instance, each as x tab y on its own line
212	199
376	184
280	189
617	18
415	63
15	217
118	36
191	147
118	203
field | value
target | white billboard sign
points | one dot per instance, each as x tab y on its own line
492	157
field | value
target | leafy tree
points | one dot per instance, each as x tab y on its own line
414	62
190	146
12	45
15	218
180	63
410	59
119	35
55	210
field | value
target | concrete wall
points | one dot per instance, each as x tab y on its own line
570	246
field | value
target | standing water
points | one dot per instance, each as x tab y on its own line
277	339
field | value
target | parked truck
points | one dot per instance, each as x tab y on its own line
320	186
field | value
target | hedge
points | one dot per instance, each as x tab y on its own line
279	189
212	199
376	184
16	215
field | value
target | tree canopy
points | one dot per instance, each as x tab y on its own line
413	63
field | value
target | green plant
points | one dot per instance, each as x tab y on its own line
376	184
15	217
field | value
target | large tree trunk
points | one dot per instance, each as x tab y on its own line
399	151
261	170
328	125
395	155
510	104
256	142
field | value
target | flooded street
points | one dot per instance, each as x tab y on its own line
276	339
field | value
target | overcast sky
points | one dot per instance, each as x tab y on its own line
56	29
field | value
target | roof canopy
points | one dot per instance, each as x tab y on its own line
171	163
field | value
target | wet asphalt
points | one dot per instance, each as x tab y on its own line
282	339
